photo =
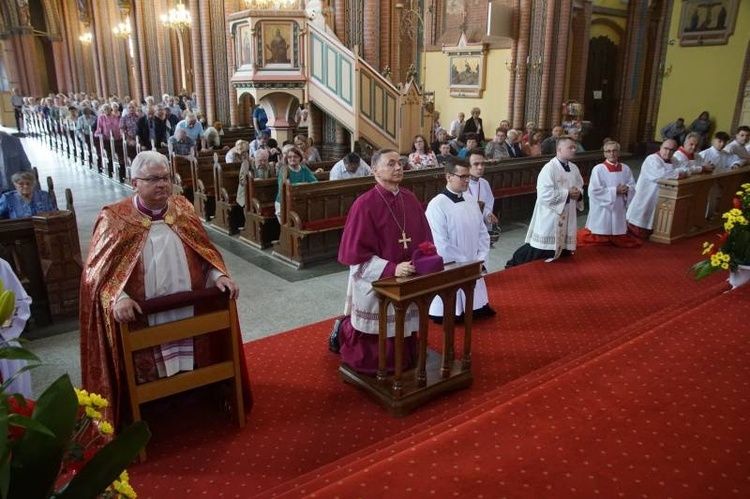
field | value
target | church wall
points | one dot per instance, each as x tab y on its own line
704	78
494	101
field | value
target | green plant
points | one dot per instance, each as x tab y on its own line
55	447
733	246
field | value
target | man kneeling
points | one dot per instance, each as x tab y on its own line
383	229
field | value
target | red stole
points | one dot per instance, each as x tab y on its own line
690	156
611	167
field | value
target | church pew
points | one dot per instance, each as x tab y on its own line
513	181
234	134
45	253
227	180
261	224
204	196
182	169
313	215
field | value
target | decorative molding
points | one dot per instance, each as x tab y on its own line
269	85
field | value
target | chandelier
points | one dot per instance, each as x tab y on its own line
272	4
178	17
86	38
123	30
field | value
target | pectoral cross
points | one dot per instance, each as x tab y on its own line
404	239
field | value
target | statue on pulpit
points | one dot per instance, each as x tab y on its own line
279	49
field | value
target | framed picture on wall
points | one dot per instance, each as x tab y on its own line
707	22
466	66
277	45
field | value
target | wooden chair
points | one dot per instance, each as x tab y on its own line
221	323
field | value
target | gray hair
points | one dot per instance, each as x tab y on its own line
145	159
260	154
23	175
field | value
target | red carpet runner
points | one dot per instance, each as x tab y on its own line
610	372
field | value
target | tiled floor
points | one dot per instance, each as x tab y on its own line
274	298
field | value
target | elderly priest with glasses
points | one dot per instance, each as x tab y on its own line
151	244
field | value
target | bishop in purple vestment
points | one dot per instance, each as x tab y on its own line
383	229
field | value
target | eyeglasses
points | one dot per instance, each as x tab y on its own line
610	150
153	179
463	178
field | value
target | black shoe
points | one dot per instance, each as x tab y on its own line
485	311
458	319
333	340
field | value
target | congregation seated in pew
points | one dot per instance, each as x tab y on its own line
26	199
350	166
293	170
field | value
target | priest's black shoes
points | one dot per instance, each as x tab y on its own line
483	312
333	340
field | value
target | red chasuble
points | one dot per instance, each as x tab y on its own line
113	265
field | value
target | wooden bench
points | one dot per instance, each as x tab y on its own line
313	217
234	134
513	182
227	180
204	196
261	224
45	253
182	170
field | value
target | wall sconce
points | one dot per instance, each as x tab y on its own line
534	65
86	38
510	66
123	30
665	70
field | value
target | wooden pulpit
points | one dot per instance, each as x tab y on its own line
435	373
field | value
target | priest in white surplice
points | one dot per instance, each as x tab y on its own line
559	196
611	189
12	329
459	233
656	167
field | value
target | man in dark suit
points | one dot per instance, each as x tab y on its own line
150	127
513	144
13	159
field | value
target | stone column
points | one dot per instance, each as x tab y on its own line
545	119
561	59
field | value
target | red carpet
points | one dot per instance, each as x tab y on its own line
591	329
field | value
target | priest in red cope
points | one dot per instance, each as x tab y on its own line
383	229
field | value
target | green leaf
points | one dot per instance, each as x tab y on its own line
702	269
108	463
36	459
30	424
18	353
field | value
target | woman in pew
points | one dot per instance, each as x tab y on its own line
421	156
310	152
27	199
295	171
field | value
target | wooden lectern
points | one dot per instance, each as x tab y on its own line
402	392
